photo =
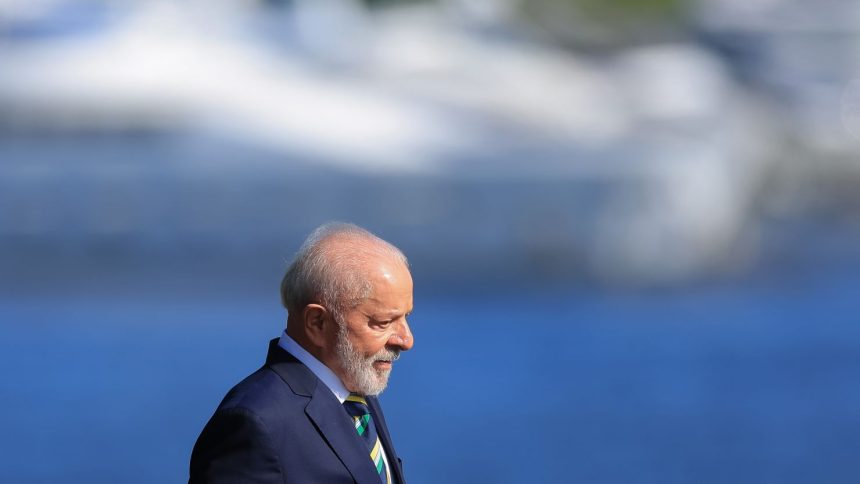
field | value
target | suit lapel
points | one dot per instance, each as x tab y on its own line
326	412
337	428
382	430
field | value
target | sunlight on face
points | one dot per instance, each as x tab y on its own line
371	335
359	368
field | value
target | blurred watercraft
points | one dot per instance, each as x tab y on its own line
206	124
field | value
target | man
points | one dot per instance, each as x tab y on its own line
310	414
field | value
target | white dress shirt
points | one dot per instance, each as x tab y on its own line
325	375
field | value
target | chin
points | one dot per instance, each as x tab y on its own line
379	386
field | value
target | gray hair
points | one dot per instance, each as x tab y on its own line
332	275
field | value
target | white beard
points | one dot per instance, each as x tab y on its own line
359	368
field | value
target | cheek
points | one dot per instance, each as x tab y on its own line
374	344
363	343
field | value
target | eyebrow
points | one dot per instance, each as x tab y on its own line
385	316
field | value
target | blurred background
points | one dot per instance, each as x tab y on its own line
633	227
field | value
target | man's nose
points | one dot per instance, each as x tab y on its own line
403	337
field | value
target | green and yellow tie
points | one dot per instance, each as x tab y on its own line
356	407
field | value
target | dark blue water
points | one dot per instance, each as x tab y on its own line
747	382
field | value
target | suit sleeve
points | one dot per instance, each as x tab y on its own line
234	447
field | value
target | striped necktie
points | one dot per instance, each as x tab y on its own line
356	407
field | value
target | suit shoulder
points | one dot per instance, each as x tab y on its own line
262	393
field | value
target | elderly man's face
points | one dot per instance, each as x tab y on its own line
373	334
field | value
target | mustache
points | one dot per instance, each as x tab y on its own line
387	355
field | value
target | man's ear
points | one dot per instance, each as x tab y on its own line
315	319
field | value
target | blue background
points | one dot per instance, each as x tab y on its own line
720	383
634	228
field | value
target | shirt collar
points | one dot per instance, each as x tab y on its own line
321	371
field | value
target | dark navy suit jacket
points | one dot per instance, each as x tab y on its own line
283	425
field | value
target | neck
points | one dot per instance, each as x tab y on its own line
302	339
294	331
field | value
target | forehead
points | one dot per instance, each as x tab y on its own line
391	291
